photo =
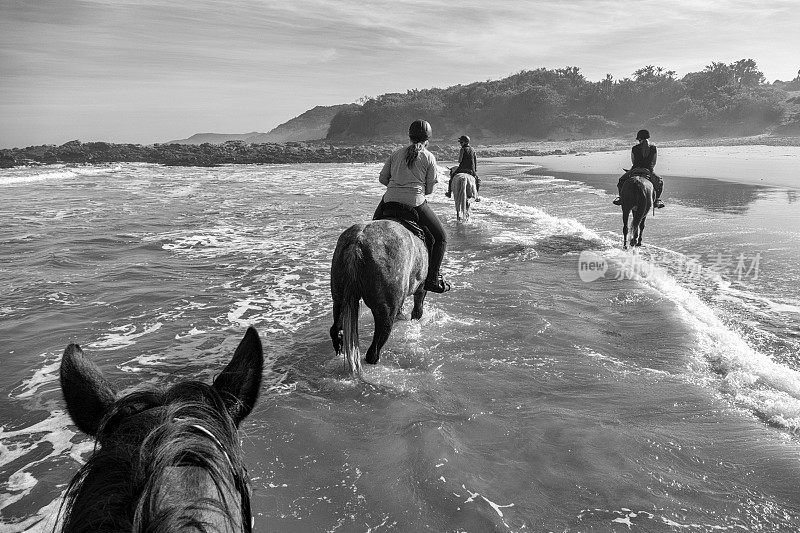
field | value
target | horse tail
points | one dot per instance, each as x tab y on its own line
460	197
352	262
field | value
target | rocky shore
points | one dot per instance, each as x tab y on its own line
239	152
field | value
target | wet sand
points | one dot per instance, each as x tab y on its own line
777	166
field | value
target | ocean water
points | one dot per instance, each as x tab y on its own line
662	396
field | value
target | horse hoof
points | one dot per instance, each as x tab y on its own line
372	358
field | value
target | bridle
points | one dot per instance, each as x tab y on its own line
242	485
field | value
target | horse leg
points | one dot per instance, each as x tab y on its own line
635	226
336	329
625	214
641	232
419	300
384	319
457	199
465	199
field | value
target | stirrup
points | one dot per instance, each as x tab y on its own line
440	285
659	204
618	201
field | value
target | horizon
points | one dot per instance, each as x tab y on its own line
144	73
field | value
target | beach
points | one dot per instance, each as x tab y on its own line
661	395
756	165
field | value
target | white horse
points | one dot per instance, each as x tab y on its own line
463	190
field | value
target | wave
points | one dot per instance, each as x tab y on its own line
546	225
26	175
748	377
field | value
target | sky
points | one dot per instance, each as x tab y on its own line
149	71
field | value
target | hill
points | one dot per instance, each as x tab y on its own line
721	100
214	138
308	126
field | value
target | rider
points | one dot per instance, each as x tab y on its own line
409	175
467	163
643	158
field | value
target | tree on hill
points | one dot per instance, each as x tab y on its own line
721	99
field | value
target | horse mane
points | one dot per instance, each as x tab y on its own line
120	486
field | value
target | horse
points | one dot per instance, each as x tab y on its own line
382	263
165	459
637	195
463	188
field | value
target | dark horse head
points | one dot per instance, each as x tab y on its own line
165	459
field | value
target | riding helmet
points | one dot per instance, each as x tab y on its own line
420	131
642	134
464	139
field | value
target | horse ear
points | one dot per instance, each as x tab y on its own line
87	393
240	382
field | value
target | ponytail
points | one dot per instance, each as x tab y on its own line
413	151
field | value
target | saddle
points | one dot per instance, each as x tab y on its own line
454	171
646	173
408	217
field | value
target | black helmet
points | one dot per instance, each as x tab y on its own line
420	131
642	134
464	139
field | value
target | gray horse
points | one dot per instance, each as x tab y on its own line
382	263
637	195
463	189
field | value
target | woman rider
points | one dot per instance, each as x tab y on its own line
409	175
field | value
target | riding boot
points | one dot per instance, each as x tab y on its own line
429	220
659	190
617	200
438	284
434	282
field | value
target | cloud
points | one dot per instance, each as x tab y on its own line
288	56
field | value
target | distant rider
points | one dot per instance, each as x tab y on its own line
467	164
409	175
643	160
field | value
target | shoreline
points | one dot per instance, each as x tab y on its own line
760	165
608	144
773	165
322	151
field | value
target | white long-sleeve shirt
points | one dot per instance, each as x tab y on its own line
409	185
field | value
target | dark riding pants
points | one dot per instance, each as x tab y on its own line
429	221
